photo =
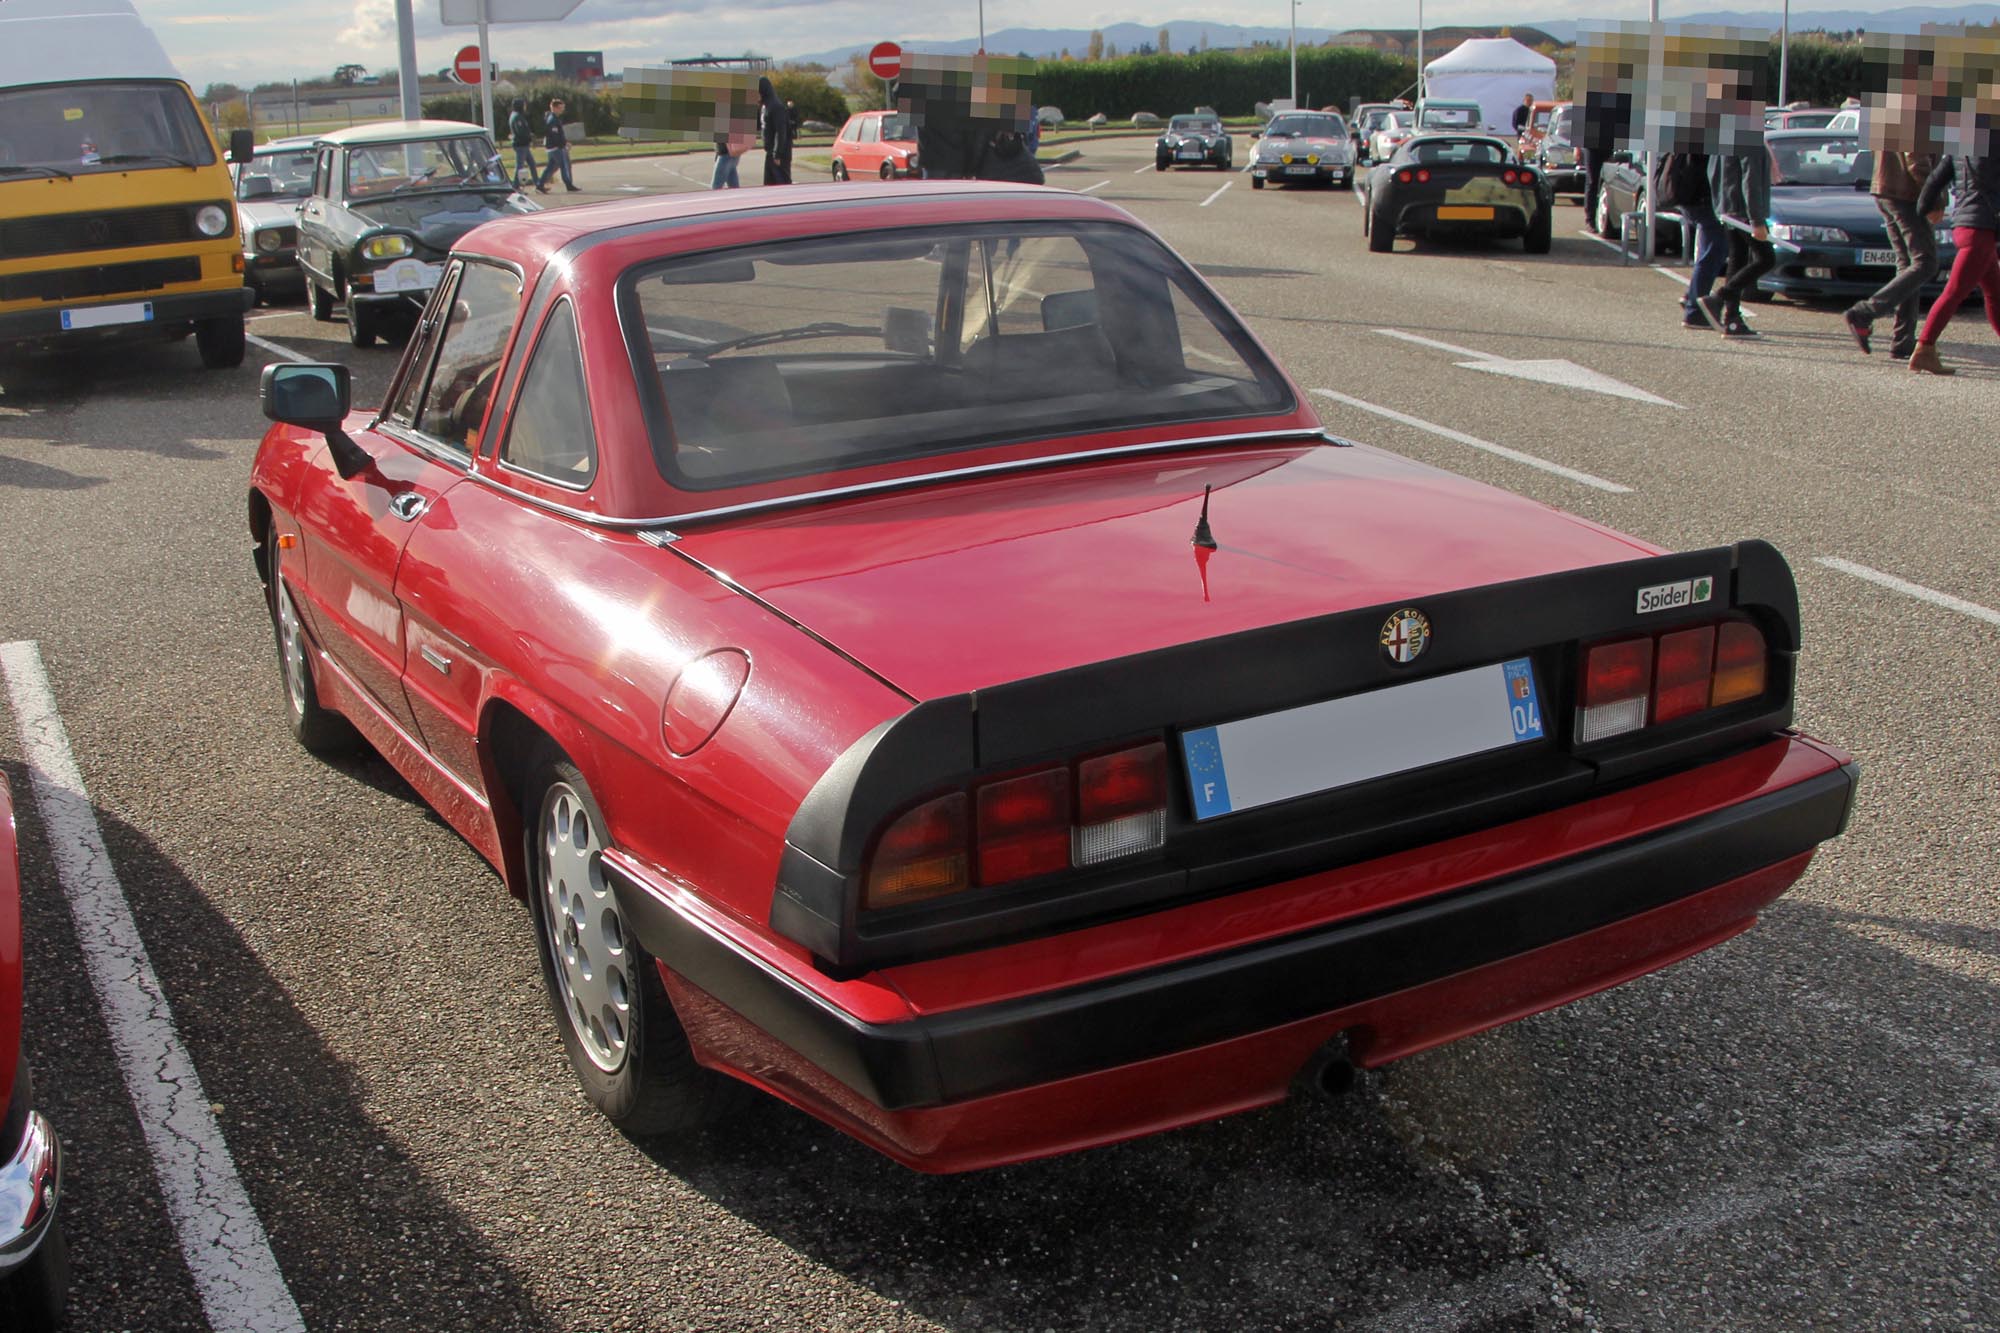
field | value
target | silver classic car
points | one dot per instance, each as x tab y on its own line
270	186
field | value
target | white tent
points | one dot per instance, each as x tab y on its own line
1493	71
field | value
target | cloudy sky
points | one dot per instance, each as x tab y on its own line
244	41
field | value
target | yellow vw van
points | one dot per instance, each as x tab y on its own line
117	218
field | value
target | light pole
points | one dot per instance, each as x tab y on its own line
982	27
1420	50
1295	55
1784	50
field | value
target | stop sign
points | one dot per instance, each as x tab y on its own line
465	66
886	60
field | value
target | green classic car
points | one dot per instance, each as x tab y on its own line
388	202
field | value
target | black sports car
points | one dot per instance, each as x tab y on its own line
1193	141
388	203
1439	185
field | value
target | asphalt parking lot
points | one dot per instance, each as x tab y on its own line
1799	1129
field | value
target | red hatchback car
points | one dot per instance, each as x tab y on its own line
916	653
875	143
34	1259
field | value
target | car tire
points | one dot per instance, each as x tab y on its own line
1381	230
1159	164
1256	182
839	170
888	172
220	342
33	1296
631	1057
1604	223
318	729
1540	233
360	322
320	300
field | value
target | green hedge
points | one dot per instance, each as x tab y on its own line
597	114
1820	73
1232	82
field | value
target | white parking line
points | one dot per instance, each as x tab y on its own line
1669	274
1442	347
1909	589
273	348
1473	441
1088	188
223	1243
1218	193
1589	235
1140	171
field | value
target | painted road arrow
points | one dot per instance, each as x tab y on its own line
1564	374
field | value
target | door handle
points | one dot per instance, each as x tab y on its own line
435	658
408	505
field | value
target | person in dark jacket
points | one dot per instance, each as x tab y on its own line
777	129
523	135
1975	227
1004	156
1524	114
1898	179
1740	184
555	140
1680	182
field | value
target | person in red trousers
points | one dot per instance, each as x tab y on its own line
1975	226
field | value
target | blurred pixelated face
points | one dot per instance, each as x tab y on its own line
987	92
694	105
1674	88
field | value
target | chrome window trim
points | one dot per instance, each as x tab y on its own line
669	521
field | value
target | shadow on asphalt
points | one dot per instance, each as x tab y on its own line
364	1242
1717	1099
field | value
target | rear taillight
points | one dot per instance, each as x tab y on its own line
1404	175
1024	826
1508	177
1121	804
921	855
1627	684
1423	174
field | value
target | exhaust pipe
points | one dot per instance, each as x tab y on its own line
1328	1074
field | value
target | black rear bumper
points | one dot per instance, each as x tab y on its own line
995	1048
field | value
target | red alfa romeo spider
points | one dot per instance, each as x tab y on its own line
916	653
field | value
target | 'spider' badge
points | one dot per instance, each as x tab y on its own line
1405	635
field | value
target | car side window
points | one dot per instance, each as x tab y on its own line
407	393
474	336
323	173
870	131
851	131
550	433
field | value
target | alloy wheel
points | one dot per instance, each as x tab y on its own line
292	648
585	933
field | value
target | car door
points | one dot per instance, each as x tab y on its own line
868	152
355	528
313	248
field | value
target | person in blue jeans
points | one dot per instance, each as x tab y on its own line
724	176
523	135
556	141
1682	184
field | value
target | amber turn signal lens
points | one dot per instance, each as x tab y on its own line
922	855
1740	663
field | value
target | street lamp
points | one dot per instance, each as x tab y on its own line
1420	50
1784	51
1295	55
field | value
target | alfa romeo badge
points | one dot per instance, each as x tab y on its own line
1405	635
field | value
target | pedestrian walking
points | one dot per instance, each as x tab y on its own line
555	141
1681	183
1004	156
777	135
1740	186
1524	114
523	135
724	176
1897	181
1975	225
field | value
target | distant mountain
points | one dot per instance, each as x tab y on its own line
1045	43
1910	19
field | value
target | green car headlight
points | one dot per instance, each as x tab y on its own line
386	247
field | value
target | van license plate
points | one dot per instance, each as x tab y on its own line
104	316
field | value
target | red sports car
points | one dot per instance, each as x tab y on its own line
915	653
34	1263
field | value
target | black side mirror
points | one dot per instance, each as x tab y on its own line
242	145
318	397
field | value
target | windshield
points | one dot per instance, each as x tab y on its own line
78	128
1203	124
287	175
1307	127
1559	125
378	169
814	355
1819	159
898	127
1450	117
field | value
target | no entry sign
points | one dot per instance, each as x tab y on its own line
465	66
886	60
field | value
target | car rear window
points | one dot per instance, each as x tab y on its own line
814	355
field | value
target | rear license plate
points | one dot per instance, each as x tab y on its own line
1191	154
1884	258
1258	761
104	316
1465	213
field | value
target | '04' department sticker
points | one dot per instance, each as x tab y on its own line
1405	635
